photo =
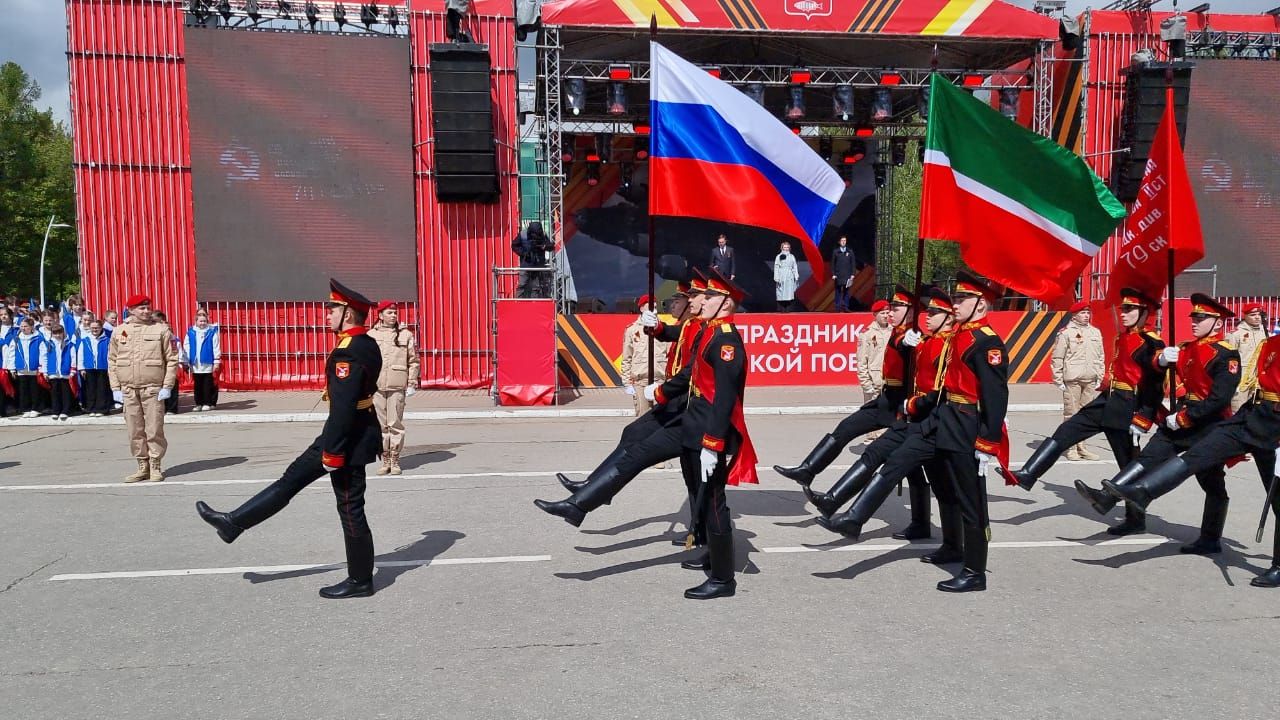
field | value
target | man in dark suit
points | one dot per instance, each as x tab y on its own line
842	270
722	257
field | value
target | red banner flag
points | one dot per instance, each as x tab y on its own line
1164	219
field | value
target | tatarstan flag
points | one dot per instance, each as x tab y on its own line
1027	212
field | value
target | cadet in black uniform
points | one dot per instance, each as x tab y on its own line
350	439
1209	370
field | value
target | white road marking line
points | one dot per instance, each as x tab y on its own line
548	474
1009	544
293	568
247	418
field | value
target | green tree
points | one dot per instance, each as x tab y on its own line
35	183
898	252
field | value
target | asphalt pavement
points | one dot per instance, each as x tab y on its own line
118	602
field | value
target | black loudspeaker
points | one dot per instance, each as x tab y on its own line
466	164
1143	107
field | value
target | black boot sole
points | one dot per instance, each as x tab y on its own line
1268	579
1086	492
719	590
572	486
794	474
825	504
1024	482
1196	548
696	565
226	530
573	519
1121	530
913	532
938	558
1114	491
963	585
849	531
341	592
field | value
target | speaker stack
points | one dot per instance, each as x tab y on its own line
466	164
1143	107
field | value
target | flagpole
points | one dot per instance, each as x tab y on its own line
1168	164
653	37
933	68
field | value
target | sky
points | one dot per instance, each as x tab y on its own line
33	34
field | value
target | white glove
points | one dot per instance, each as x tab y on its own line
1169	356
649	391
1062	387
709	459
648	318
630	390
986	461
164	394
1136	433
117	396
327	468
912	338
1171	422
410	392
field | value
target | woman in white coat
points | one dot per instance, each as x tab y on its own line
786	276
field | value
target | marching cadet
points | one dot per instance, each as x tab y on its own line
652	438
928	361
1209	369
687	305
635	359
1078	362
397	381
141	367
1247	337
1255	429
878	413
1124	413
716	447
966	431
348	442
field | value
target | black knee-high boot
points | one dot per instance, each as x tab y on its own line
359	582
593	495
1213	519
849	484
1271	578
1041	460
610	461
822	455
918	528
951	550
850	522
721	582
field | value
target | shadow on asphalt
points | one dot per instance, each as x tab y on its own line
7	465
196	466
422	551
412	458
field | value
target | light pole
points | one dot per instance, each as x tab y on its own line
43	248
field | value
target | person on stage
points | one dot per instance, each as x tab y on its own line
1124	412
1208	369
350	440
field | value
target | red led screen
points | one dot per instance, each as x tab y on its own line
301	164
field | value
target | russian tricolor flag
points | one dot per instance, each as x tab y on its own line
718	155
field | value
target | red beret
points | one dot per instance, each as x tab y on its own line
383	306
1078	305
879	305
642	300
136	300
1250	307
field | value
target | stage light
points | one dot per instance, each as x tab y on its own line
224	9
922	102
575	95
593	168
864	131
971	80
340	15
795	107
252	10
842	102
713	71
566	156
857	150
881	104
617	103
800	76
619	71
640	148
284	9
1009	98
890	78
640	128
795	129
312	12
898	151
1201	8
755	91
881	171
604	146
368	15
824	147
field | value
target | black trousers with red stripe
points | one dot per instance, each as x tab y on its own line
348	489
